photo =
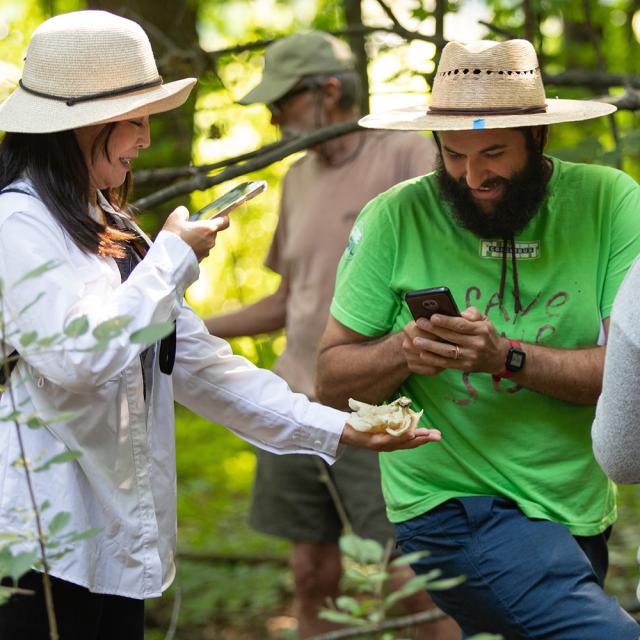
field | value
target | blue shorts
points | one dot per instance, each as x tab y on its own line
525	579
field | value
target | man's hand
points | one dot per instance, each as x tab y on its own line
386	442
413	337
199	235
475	343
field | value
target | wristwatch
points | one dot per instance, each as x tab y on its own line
515	361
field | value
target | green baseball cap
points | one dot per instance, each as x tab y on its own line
289	59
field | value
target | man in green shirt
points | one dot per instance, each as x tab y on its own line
533	249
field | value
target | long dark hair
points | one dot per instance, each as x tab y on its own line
56	166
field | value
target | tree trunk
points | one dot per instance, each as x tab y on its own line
353	14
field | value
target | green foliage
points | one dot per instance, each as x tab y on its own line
368	576
152	333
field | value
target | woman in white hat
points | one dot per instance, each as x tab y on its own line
75	124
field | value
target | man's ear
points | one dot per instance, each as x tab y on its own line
331	92
541	136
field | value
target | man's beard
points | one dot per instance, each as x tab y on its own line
523	194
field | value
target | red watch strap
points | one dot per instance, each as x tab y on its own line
505	373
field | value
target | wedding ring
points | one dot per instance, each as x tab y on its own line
456	354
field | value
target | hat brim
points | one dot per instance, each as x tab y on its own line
417	118
23	112
269	90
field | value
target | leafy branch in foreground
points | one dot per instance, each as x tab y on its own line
37	543
368	575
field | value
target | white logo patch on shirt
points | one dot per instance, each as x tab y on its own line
354	239
524	250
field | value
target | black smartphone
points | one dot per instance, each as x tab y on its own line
230	200
425	302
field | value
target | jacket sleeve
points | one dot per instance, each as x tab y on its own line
616	429
254	403
82	285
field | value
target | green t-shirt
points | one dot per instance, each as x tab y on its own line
497	438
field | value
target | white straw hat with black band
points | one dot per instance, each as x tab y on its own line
84	68
487	85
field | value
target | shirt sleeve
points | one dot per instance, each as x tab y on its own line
254	403
616	429
624	237
363	300
42	306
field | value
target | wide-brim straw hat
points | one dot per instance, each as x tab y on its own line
84	68
487	85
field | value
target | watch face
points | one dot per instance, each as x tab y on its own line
515	359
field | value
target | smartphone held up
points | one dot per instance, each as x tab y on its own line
230	200
425	302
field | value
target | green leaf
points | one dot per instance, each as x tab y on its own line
341	618
35	423
410	587
77	327
377	577
361	550
33	302
38	271
28	338
59	522
22	562
446	583
11	417
83	535
376	616
65	416
347	603
152	333
48	340
110	329
408	558
66	456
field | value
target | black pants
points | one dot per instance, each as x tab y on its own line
81	615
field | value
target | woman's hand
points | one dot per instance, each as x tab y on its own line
199	235
386	442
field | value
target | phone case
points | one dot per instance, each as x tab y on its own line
425	302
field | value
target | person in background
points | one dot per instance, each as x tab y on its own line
309	82
533	249
73	128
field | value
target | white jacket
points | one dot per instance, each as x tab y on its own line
125	482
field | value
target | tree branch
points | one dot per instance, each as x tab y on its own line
499	30
600	80
202	182
397	28
392	16
166	174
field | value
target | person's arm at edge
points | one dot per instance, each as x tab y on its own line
616	429
264	316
